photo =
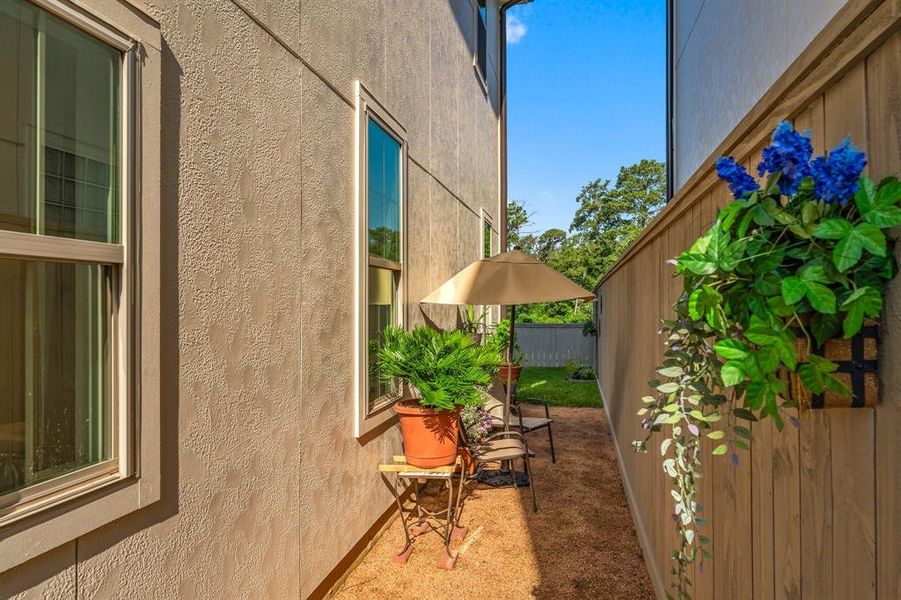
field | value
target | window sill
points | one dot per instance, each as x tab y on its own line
59	490
100	503
377	419
482	82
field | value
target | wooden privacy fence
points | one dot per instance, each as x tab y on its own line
551	345
813	512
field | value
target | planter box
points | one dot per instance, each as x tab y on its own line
857	360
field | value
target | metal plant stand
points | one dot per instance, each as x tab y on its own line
418	520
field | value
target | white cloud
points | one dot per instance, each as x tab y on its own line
516	29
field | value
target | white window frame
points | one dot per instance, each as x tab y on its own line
485	219
40	517
482	78
367	107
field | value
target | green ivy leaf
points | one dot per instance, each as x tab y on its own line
835	385
793	289
853	321
862	302
823	365
814	271
720	450
809	213
847	252
762	217
696	304
871	237
889	193
788	354
769	261
754	396
732	373
884	217
835	228
820	297
699	264
731	349
866	195
716	435
744	413
743	432
745	223
671	371
668	388
768	358
801	232
824	327
810	377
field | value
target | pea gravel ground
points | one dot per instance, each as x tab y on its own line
581	544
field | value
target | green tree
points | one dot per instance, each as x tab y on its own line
548	243
518	219
607	220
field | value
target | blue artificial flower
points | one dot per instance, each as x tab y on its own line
740	181
835	177
789	154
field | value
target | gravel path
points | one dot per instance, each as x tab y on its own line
582	543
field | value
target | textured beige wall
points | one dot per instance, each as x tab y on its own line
727	54
264	487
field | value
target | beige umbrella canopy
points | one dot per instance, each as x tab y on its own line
508	278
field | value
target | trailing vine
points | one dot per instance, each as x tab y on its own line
784	268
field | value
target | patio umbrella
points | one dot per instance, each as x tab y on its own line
508	278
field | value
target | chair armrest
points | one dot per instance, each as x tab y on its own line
503	434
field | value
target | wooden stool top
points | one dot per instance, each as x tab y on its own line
402	469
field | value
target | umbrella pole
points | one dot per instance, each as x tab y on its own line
509	386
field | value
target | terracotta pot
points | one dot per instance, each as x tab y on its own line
430	436
510	373
468	463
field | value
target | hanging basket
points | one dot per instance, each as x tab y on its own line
858	361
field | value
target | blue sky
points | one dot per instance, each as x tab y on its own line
587	94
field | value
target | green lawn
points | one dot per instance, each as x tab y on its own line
551	385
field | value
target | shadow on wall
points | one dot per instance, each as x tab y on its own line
43	568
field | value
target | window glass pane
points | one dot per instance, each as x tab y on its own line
382	301
383	182
55	408
486	238
482	41
59	127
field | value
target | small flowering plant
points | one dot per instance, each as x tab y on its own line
807	252
478	424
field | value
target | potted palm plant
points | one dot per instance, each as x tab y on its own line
500	341
441	372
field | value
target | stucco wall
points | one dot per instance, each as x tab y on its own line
727	53
265	489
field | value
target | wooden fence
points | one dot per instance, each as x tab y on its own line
813	512
551	345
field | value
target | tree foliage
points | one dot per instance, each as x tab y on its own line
608	218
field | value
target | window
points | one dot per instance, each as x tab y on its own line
486	236
381	182
480	60
62	275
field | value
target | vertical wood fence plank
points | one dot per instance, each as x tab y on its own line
884	120
815	449
854	485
